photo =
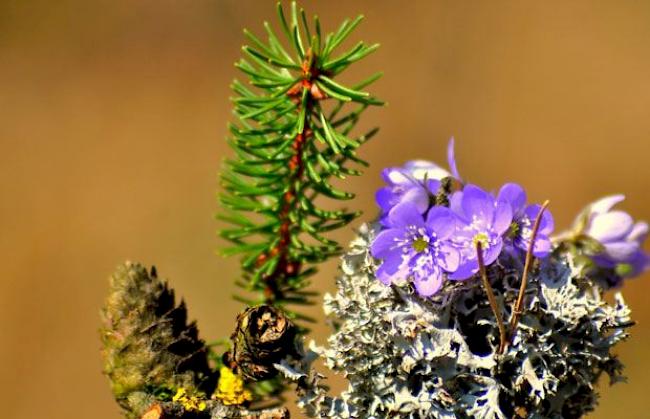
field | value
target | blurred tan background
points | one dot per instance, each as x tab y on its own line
112	126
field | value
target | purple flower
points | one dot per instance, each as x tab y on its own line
417	249
451	159
416	182
523	219
484	219
404	186
621	238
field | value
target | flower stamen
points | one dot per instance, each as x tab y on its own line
420	244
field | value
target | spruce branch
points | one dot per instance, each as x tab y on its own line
293	136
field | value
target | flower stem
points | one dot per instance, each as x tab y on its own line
491	298
518	310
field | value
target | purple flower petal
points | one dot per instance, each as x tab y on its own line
610	226
478	204
386	242
385	198
515	195
465	270
639	263
542	247
405	214
422	169
449	258
433	186
639	232
455	204
502	217
621	251
429	284
451	159
396	176
418	197
392	267
603	205
546	224
442	222
492	253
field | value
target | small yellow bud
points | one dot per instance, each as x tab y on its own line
189	403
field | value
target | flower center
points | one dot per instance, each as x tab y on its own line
624	269
420	244
514	230
481	238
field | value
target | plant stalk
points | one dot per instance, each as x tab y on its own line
518	308
491	298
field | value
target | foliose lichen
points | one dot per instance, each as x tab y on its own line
407	356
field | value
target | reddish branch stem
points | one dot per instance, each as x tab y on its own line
286	267
491	298
518	308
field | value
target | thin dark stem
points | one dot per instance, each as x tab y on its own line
518	310
491	298
215	409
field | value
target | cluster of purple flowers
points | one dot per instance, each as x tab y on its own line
429	243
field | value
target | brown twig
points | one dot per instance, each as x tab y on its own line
518	310
164	410
491	298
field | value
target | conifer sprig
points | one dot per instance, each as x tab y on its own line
292	138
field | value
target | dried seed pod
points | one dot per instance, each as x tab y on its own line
263	337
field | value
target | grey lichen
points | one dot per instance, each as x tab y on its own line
412	357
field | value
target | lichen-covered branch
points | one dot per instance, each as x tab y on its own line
148	346
158	365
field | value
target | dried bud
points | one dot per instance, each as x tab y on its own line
263	337
316	92
154	412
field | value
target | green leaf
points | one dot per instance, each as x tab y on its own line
283	64
305	23
295	31
344	30
351	93
283	20
333	93
276	45
229	251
